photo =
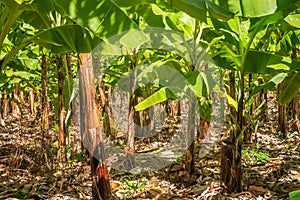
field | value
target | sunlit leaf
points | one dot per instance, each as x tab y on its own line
134	38
104	18
295	195
293	20
161	95
128	3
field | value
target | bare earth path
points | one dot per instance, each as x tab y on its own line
28	169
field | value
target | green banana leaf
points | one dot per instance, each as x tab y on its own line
129	3
159	96
257	8
295	195
265	63
66	39
196	9
35	13
104	18
293	20
290	87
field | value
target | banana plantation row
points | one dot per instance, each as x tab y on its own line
167	51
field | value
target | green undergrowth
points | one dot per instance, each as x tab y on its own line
255	156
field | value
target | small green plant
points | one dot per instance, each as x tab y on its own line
132	186
135	185
257	156
79	157
21	195
180	159
280	135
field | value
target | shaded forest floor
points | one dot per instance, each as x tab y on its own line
28	169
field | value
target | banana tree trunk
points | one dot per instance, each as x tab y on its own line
263	96
295	112
232	94
61	155
132	117
2	122
231	157
104	104
91	118
5	104
248	130
31	102
21	96
15	106
190	153
282	115
172	109
146	122
45	104
295	101
203	126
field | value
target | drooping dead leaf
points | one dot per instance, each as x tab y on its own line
155	192
258	189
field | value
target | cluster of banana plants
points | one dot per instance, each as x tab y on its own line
254	42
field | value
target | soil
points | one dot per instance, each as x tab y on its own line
29	168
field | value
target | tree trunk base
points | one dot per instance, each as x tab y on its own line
231	173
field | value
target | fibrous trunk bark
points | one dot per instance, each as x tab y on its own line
190	153
295	112
94	141
133	117
203	127
21	96
231	157
263	96
248	129
31	102
295	101
173	109
16	100
45	105
5	104
104	95
2	122
232	95
61	155
282	115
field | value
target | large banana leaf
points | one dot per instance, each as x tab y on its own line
196	9
228	8
290	87
258	8
129	3
35	12
271	84
66	39
13	13
265	63
256	62
103	17
293	20
159	96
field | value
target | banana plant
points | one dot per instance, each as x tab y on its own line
103	19
13	13
63	39
241	29
289	43
186	64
